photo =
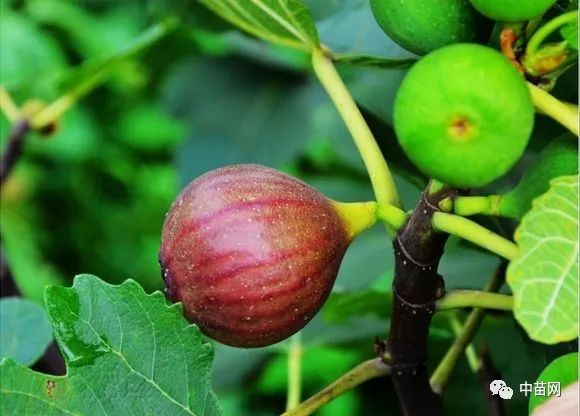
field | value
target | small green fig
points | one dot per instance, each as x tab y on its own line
422	26
253	253
463	114
512	10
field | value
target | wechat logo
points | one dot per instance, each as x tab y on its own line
500	388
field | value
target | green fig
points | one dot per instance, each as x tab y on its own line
463	114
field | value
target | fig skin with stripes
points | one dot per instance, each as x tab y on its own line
251	253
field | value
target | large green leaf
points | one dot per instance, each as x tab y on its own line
563	370
544	277
24	330
286	22
127	353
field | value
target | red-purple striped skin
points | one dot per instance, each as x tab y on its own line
251	253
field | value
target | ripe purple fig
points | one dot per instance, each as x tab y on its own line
253	253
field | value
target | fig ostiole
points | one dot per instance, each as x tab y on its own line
252	253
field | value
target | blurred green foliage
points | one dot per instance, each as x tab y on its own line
92	198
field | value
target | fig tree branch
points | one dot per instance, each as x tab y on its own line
554	108
418	248
477	234
380	175
443	371
365	371
475	299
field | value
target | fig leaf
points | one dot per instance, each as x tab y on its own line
126	352
286	22
544	277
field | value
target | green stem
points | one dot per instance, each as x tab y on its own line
470	354
294	372
356	216
443	371
570	106
475	299
365	371
380	175
473	205
543	32
66	101
471	231
554	108
389	214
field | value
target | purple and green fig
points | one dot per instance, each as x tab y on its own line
253	253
